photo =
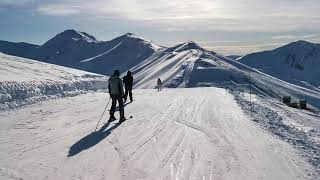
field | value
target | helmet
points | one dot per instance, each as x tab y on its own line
116	72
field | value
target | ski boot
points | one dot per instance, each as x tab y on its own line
111	118
122	119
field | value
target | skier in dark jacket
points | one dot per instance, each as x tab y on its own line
128	80
116	93
159	84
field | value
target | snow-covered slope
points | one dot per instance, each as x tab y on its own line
17	49
80	50
187	65
24	81
297	63
198	133
187	133
269	86
184	65
68	48
123	53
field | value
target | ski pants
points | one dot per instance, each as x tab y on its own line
128	91
116	98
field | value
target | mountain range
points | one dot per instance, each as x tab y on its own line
221	118
83	51
183	65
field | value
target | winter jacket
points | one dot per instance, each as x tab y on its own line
115	86
128	80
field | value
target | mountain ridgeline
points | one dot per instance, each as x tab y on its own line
82	51
297	63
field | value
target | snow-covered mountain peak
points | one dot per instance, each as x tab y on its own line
297	63
130	34
132	38
300	51
72	36
301	43
300	47
189	45
77	35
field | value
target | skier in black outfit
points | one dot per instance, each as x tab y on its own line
116	93
128	80
159	84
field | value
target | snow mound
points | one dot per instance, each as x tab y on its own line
25	81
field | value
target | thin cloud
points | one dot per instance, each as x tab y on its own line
242	49
176	15
292	37
14	2
59	10
251	22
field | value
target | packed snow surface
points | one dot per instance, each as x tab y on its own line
194	133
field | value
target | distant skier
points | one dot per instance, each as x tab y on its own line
159	84
128	80
116	93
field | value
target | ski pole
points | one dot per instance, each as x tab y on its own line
102	114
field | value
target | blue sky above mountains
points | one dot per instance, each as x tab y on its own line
226	26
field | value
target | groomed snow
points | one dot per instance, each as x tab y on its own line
198	133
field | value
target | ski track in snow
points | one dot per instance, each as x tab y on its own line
196	133
113	48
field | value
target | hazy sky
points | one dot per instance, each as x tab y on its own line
225	26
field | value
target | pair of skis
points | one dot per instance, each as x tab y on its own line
111	122
103	114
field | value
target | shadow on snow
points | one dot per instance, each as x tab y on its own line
94	138
91	139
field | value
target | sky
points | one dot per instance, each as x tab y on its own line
230	27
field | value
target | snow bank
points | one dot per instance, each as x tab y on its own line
297	127
13	94
24	81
